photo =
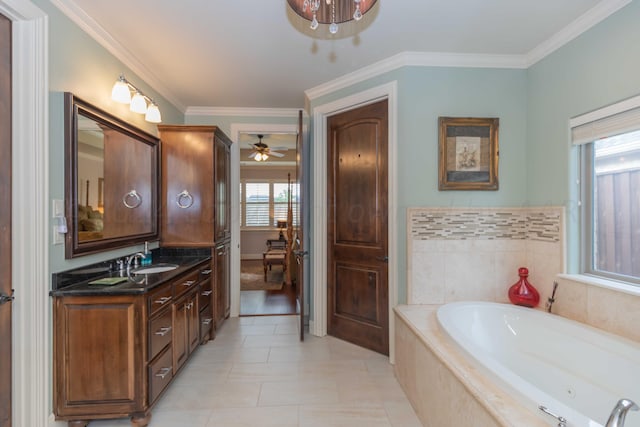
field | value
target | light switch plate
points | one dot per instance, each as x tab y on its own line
57	208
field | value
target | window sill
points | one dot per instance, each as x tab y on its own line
603	283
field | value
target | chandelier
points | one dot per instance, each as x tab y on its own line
332	12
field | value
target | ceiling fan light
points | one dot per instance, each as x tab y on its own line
120	92
138	104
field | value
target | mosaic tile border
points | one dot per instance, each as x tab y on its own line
540	224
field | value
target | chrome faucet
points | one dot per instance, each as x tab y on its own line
133	258
616	419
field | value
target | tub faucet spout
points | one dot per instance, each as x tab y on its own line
616	419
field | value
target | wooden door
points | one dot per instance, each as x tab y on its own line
299	251
5	222
357	276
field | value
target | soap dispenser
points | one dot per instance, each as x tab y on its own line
147	255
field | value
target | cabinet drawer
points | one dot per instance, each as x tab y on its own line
160	374
184	283
206	294
206	323
160	332
159	299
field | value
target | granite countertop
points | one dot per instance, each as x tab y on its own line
76	282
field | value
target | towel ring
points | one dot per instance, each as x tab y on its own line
183	197
137	200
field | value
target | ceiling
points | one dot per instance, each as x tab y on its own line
259	54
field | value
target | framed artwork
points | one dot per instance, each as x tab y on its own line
468	153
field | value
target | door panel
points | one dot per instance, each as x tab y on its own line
5	221
357	227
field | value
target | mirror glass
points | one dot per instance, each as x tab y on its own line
111	181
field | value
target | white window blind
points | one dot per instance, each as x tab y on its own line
257	204
613	120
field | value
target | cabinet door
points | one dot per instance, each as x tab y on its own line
222	283
193	321
187	186
222	188
85	381
180	341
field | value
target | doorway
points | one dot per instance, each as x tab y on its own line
318	286
267	177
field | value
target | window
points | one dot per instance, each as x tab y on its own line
610	186
263	203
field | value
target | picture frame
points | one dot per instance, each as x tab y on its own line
468	153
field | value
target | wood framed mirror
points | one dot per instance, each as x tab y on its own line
111	181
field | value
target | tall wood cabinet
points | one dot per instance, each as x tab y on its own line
196	196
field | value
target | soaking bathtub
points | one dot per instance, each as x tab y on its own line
537	359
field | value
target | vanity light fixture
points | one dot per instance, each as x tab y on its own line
332	12
139	103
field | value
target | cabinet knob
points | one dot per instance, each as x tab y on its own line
188	282
184	199
206	272
162	300
206	322
206	293
163	331
163	372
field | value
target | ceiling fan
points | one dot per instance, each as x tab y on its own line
261	151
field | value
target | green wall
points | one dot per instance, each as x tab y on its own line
426	93
78	64
599	68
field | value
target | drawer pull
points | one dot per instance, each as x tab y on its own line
162	300
163	331
206	272
163	372
206	322
188	283
206	293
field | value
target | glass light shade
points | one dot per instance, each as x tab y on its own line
153	114
264	157
258	157
138	104
120	92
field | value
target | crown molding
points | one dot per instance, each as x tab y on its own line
242	112
420	59
102	36
584	22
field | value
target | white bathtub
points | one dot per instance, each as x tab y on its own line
576	371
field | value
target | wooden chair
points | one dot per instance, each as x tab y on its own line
276	254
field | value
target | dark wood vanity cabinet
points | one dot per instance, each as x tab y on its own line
196	208
114	355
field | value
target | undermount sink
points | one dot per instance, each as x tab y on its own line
156	268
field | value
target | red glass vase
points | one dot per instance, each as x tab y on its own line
522	292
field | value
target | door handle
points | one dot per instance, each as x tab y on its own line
383	258
6	298
300	253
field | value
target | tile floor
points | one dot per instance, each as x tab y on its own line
257	374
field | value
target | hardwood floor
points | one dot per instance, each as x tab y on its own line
266	303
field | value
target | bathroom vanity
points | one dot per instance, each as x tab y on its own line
118	347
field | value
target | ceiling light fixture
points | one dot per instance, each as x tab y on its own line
139	103
332	12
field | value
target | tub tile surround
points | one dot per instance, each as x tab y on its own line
429	364
458	254
473	263
607	309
